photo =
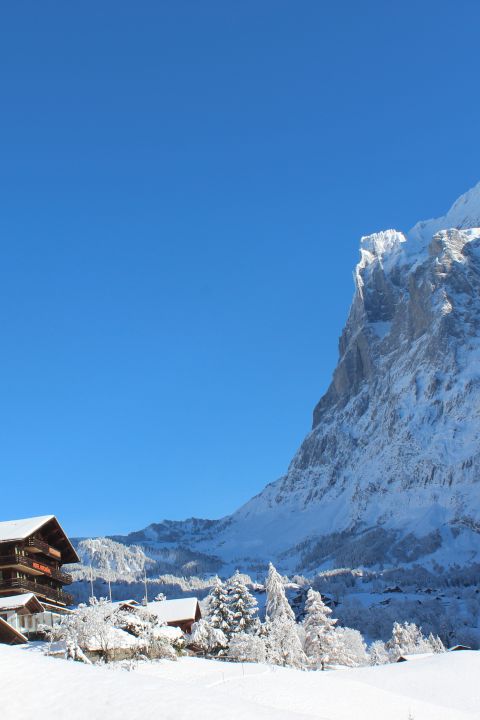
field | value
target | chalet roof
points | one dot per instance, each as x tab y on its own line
414	656
14	602
175	610
10	635
11	530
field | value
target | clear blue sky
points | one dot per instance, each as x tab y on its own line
183	186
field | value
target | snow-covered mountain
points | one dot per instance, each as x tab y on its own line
390	472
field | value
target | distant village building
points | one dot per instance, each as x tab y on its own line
32	552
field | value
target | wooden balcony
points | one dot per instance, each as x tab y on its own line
18	585
36	545
33	567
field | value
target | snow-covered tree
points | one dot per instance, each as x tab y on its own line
219	614
436	644
243	606
146	626
277	603
349	649
378	654
320	638
407	639
283	646
207	638
247	647
88	625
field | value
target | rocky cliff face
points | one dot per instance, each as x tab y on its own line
390	472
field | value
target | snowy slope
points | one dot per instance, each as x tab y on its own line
389	474
442	687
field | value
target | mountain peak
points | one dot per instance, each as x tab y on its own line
464	213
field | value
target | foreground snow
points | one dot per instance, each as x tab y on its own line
442	687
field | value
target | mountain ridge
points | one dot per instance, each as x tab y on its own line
389	472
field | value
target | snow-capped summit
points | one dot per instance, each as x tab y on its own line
464	213
390	472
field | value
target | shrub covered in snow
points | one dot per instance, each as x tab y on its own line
246	647
206	637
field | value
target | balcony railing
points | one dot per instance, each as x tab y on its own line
45	591
38	545
39	567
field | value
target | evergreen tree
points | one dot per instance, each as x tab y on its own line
219	615
243	606
277	603
283	644
320	637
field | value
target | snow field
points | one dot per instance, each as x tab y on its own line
441	687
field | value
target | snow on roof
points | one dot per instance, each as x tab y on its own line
116	640
11	602
174	610
21	529
414	656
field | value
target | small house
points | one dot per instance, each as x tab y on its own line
181	613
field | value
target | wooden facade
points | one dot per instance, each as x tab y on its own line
32	553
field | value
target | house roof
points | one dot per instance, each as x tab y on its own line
11	530
414	656
175	610
10	635
14	602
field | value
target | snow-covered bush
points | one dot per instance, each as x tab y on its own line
378	654
246	647
206	638
153	638
101	630
350	649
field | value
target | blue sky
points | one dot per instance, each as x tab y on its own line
183	187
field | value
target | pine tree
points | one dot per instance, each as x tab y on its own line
320	637
219	615
280	630
277	603
243	606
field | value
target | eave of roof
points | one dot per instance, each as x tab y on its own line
10	635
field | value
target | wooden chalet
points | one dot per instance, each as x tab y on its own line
32	552
181	613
